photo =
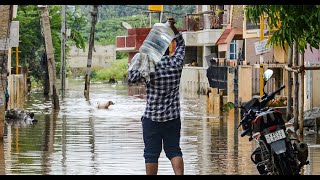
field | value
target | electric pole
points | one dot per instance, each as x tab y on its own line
91	45
50	55
63	49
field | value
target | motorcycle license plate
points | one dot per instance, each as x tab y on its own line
275	136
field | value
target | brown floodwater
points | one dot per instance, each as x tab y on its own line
81	139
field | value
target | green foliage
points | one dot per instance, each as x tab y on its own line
121	55
77	21
93	74
107	30
109	25
32	41
228	106
296	23
118	69
110	19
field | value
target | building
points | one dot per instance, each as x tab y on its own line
202	31
132	42
103	56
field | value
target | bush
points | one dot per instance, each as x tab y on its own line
121	55
118	69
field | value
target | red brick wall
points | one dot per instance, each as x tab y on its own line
131	41
120	42
130	56
135	38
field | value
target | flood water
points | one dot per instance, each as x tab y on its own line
81	139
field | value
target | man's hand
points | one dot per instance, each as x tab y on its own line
171	22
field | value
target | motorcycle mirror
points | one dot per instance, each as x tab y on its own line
267	75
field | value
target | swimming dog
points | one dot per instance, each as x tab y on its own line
105	105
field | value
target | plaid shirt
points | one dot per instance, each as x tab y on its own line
163	102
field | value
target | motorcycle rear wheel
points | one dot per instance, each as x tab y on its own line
284	165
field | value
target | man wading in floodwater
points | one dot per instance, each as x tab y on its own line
161	119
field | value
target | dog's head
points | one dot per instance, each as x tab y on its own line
110	102
31	115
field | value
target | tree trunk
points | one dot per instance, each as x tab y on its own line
296	88
5	20
301	100
91	45
289	99
50	56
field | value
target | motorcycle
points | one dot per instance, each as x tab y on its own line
278	152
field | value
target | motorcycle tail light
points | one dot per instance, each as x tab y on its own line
256	135
272	128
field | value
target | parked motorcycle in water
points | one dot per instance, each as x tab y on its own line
278	153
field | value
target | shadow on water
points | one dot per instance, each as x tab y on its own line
81	139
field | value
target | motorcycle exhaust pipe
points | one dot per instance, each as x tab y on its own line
302	149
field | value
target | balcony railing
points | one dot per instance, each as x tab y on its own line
196	22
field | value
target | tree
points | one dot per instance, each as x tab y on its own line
31	38
293	23
297	26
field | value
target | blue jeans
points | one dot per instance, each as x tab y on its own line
156	132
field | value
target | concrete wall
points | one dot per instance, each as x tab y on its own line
204	37
230	82
312	56
237	16
245	84
250	54
312	87
17	90
102	57
312	78
194	79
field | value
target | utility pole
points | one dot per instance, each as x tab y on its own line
155	8
261	55
63	49
50	55
91	45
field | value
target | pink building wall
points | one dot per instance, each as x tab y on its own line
313	56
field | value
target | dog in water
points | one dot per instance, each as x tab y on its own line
20	115
105	105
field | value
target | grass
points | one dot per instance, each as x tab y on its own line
118	69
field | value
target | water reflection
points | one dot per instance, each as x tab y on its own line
2	159
81	139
